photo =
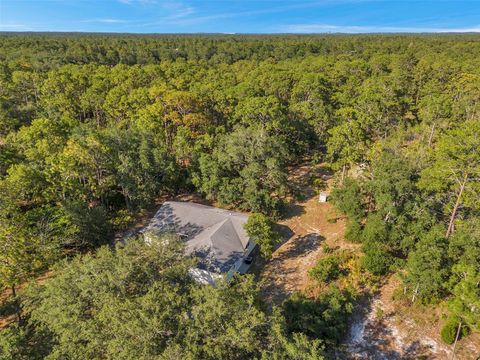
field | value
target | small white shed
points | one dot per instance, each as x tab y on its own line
323	197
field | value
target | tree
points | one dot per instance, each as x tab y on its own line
428	267
347	142
260	229
323	318
465	302
328	268
138	301
294	345
348	199
27	246
454	172
246	169
117	303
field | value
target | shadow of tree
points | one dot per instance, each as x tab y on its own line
285	232
276	288
291	210
302	245
373	338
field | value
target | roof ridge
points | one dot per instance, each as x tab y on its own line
221	225
210	208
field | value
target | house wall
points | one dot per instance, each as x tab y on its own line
239	265
203	276
207	277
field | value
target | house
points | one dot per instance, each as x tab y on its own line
215	236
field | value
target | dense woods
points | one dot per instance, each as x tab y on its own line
94	128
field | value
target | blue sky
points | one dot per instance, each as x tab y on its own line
247	16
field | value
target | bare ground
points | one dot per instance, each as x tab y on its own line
386	329
308	227
381	328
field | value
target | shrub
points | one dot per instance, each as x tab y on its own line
328	249
323	318
348	199
328	268
319	184
260	229
449	331
353	231
122	220
377	259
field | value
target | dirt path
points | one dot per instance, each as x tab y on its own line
306	227
381	328
377	332
387	329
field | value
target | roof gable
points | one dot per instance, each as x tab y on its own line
215	236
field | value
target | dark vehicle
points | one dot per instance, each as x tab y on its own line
248	260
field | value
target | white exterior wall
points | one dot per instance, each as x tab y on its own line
239	265
323	197
203	276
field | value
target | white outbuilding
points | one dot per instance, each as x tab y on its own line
323	197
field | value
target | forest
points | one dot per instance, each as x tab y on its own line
95	128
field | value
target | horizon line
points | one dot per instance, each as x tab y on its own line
243	33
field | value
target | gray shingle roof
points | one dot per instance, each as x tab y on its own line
215	236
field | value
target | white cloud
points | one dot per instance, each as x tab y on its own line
141	2
189	20
14	27
353	29
177	9
106	21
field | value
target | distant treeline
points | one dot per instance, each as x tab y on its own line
48	50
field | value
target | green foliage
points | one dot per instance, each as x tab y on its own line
348	200
377	258
292	345
246	169
260	229
93	127
24	343
428	267
328	249
448	333
465	301
325	317
347	142
90	228
25	251
319	184
328	268
138	301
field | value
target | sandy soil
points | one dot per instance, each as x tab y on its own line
305	228
381	328
387	329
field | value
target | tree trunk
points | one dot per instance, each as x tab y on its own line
430	138
456	339
18	310
344	171
455	208
415	292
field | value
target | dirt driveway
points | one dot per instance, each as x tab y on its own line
381	328
306	227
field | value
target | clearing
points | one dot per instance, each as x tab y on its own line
381	328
